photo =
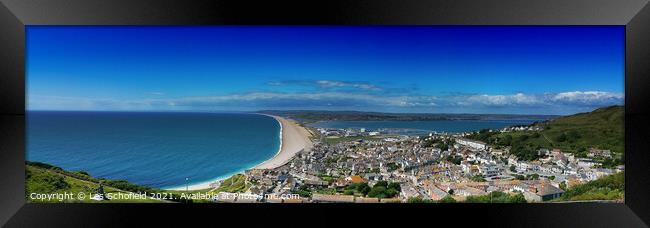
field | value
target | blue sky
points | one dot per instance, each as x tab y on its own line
433	69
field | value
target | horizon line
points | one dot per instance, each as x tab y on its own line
290	110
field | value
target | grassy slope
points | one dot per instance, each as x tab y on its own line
601	128
41	180
236	183
45	178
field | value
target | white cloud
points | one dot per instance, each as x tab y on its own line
588	97
327	84
364	86
575	100
502	100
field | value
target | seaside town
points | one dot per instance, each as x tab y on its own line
362	166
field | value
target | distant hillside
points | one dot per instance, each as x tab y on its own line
602	128
309	115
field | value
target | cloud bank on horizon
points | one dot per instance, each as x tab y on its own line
434	69
342	95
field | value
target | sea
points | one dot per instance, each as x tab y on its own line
156	149
424	127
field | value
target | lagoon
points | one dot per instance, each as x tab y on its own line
450	126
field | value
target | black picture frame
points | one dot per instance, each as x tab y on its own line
633	14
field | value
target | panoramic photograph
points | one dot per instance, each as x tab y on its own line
325	114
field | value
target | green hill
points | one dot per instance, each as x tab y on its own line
44	179
41	178
602	128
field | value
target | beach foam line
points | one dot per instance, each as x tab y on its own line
197	186
281	133
294	139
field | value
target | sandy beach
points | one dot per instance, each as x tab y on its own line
294	139
199	186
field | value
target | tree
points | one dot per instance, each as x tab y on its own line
391	192
622	160
377	191
573	136
506	141
443	146
381	183
454	159
524	152
563	186
363	188
451	191
57	182
395	186
304	191
513	168
447	199
351	186
383	189
517	198
609	187
523	138
475	199
428	143
496	197
418	200
392	167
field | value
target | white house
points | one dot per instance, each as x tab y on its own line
472	144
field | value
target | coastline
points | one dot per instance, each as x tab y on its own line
293	139
200	186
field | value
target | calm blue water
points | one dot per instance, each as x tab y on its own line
451	126
152	149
